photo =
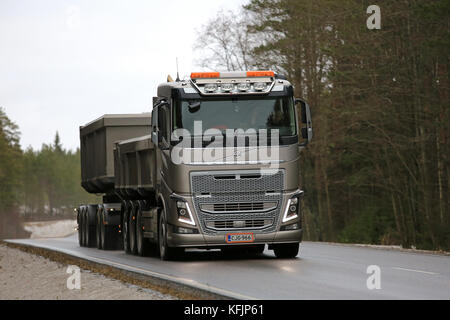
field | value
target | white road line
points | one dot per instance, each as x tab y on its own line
412	270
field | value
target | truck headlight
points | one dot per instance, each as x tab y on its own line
184	213
291	211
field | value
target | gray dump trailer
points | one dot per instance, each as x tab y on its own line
214	166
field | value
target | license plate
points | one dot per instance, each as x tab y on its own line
240	237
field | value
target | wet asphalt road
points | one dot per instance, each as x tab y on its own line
320	271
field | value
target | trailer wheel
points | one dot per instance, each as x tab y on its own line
89	231
286	251
166	252
125	231
143	244
85	231
99	235
132	231
80	228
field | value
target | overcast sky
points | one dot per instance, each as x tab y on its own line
64	63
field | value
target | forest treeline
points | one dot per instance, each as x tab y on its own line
377	170
37	184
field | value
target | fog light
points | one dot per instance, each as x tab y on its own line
294	226
182	230
182	212
293	208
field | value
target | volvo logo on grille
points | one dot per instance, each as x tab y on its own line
239	224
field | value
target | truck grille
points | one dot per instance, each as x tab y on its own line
241	200
238	224
238	207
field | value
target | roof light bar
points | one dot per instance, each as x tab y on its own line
233	82
232	74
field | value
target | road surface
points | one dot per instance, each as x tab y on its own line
321	271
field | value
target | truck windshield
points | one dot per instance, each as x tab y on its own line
238	113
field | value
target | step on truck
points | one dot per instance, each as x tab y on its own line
215	165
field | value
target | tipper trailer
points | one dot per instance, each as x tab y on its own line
214	166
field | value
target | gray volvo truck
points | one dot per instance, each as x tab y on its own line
215	165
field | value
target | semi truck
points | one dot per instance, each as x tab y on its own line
215	165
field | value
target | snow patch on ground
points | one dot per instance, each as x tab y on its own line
51	229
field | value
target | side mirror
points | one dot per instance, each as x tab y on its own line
305	114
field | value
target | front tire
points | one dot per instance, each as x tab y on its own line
143	245
286	251
166	252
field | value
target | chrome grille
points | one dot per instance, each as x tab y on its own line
238	224
221	199
238	207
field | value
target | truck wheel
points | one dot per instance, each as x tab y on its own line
143	244
166	252
286	251
90	232
132	231
125	231
99	229
108	238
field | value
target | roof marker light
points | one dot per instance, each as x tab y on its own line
205	75
251	74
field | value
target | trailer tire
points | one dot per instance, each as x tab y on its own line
165	252
132	231
125	230
99	235
84	228
80	228
90	232
286	250
143	244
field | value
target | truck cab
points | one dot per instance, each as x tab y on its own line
228	149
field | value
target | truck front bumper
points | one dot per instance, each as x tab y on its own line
214	241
